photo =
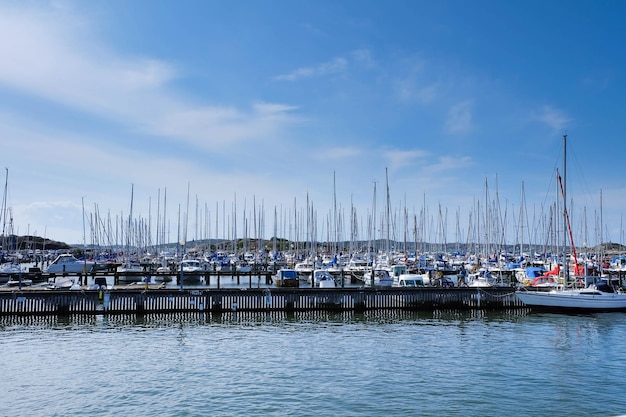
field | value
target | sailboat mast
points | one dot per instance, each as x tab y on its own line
564	191
4	210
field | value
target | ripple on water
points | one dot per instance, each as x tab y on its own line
377	364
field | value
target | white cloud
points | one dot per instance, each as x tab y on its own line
337	153
399	159
208	127
48	58
408	90
459	119
51	58
413	85
337	65
553	118
448	163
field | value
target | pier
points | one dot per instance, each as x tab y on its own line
149	300
117	277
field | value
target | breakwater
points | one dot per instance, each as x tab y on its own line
154	300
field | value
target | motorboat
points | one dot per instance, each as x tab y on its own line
323	279
64	283
7	271
130	271
100	283
67	263
378	278
287	278
191	265
305	268
410	281
190	271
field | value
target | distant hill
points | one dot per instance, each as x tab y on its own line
13	242
613	248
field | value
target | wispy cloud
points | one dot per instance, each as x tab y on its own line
409	89
207	127
337	65
412	86
364	57
459	119
449	163
339	153
400	158
47	58
53	59
599	81
554	118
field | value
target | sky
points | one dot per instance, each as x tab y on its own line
211	118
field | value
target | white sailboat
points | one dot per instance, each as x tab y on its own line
130	269
596	297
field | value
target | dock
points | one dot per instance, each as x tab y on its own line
149	299
119	278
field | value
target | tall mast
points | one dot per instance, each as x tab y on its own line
4	210
564	186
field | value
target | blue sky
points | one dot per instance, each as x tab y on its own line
255	107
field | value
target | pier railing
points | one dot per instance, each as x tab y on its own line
138	301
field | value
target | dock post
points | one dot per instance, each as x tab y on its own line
359	302
217	304
139	301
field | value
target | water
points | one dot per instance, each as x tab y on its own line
306	364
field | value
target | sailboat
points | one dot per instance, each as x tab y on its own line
595	297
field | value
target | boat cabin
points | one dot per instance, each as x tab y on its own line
287	278
410	280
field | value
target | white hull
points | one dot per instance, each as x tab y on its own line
69	265
581	300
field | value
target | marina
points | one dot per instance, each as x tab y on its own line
194	287
140	270
312	208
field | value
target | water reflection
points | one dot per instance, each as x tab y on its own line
272	317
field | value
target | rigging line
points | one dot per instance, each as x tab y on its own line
569	228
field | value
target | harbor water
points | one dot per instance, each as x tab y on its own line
380	363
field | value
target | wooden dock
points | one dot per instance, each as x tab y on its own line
208	276
139	300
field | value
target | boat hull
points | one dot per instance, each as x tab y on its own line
573	300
